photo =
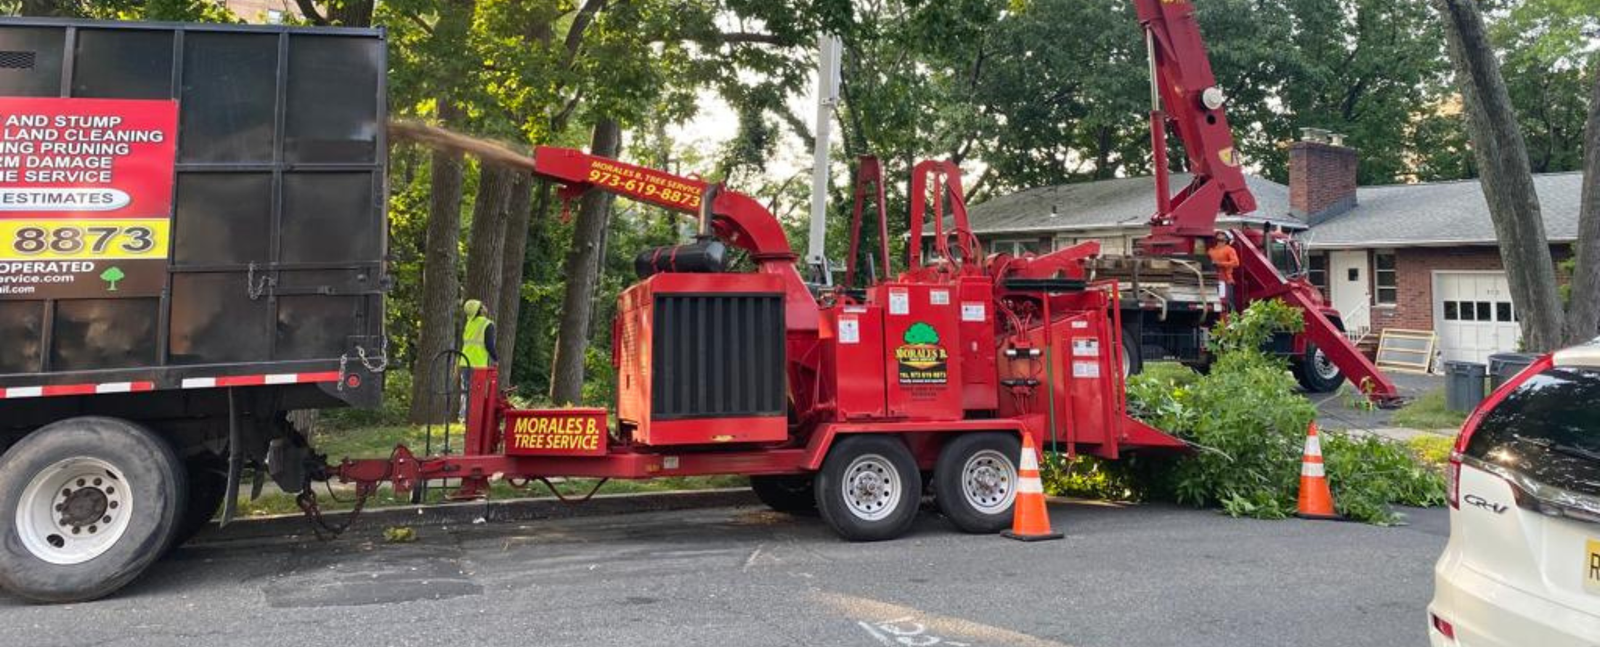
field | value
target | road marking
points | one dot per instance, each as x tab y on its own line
914	628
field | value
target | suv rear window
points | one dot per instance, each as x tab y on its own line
1548	429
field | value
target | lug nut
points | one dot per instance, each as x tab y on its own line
60	507
92	529
81	482
111	490
112	505
105	519
76	530
97	480
66	492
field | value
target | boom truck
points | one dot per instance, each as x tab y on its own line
854	403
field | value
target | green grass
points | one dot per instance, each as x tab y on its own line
1432	449
379	441
1429	412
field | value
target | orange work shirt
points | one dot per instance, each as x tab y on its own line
1225	259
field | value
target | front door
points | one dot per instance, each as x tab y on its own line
1349	288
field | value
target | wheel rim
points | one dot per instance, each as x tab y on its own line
871	487
1323	366
988	481
74	511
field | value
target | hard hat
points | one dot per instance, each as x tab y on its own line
472	307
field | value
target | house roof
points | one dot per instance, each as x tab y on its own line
1120	202
1441	213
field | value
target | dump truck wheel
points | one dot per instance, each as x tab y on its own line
88	503
1317	374
787	493
208	486
975	481
869	488
1132	353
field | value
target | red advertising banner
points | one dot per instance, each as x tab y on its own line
85	196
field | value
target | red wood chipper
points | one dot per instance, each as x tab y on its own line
833	398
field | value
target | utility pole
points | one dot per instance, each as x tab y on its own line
828	48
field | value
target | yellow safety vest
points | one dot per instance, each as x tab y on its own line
473	347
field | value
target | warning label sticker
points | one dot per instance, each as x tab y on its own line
1085	347
849	330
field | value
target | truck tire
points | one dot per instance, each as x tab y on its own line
869	488
208	486
1316	373
1132	353
975	481
786	493
87	504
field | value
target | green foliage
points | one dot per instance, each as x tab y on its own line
1428	412
1247	421
1088	477
1433	450
1369	473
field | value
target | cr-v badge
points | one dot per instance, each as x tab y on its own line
1481	502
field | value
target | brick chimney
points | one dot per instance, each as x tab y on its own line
1322	176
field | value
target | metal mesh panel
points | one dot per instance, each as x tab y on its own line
718	355
17	60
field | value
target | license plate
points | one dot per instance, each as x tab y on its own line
1591	566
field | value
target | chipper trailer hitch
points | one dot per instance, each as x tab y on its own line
840	400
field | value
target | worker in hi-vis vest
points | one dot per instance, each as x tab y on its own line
477	346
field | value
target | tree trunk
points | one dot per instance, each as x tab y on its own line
1583	312
512	256
351	13
486	248
440	300
582	273
1507	182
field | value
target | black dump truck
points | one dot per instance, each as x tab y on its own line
192	245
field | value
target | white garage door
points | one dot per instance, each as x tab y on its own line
1473	315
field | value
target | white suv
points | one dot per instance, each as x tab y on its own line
1522	567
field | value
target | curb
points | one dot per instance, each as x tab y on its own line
471	512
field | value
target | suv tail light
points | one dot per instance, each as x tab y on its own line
1453	484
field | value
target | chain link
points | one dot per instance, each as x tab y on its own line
373	364
257	288
307	501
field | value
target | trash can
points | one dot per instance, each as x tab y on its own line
1502	366
1463	386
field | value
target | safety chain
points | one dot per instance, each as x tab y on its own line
373	364
257	288
307	500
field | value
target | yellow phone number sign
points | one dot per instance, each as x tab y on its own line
144	238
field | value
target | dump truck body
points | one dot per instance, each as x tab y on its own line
192	245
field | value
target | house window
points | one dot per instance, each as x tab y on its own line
1385	278
1318	274
1016	246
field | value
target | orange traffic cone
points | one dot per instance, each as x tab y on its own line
1316	500
1030	521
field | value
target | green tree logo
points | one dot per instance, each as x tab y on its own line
112	275
921	333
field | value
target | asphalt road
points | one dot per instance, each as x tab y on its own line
746	577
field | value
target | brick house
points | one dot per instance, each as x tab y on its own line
1412	256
